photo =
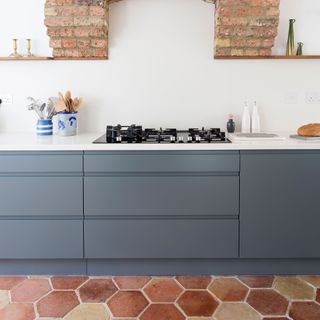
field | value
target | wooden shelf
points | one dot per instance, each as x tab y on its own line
45	58
25	58
306	57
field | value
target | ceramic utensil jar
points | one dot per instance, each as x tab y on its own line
67	123
44	127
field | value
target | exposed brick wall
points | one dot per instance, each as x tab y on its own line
246	27
77	28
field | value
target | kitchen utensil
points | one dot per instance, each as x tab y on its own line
60	105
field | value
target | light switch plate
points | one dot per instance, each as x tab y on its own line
313	97
7	99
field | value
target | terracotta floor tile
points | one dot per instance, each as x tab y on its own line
268	302
161	312
7	283
305	311
17	311
276	318
191	282
92	311
4	298
318	295
67	283
229	289
57	304
97	290
127	304
294	288
197	303
131	283
163	290
257	281
236	311
30	290
314	280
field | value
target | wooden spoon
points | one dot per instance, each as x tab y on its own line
59	105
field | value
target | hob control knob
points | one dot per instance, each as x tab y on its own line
119	139
198	139
181	140
172	139
189	139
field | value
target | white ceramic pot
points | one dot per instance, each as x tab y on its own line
67	123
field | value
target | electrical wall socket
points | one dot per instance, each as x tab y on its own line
7	99
313	97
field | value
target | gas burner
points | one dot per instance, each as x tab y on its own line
136	134
157	136
129	134
211	135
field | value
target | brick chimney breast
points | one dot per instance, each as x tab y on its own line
78	28
246	27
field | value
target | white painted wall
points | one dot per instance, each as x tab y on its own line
160	72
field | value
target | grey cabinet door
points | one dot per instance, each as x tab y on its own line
41	239
162	195
41	162
280	204
41	196
163	161
155	239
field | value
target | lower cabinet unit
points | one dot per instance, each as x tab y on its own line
159	238
41	239
280	204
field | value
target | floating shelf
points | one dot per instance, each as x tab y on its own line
284	57
35	58
44	58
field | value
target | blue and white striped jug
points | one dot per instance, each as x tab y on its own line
44	127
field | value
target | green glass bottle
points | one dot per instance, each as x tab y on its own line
300	49
290	43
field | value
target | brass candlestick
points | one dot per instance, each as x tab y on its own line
15	53
29	53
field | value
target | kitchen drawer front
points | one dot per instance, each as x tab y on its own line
39	162
41	239
41	196
162	195
161	162
156	239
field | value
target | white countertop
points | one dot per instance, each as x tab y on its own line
83	142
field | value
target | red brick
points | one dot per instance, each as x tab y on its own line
69	43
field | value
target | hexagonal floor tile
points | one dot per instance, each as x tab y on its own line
163	290
236	311
17	311
127	304
162	311
97	290
229	289
30	290
294	288
191	282
87	311
4	298
314	280
197	303
7	283
57	304
277	318
67	283
268	302
131	283
257	281
304	311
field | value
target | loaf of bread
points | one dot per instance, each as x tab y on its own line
310	130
